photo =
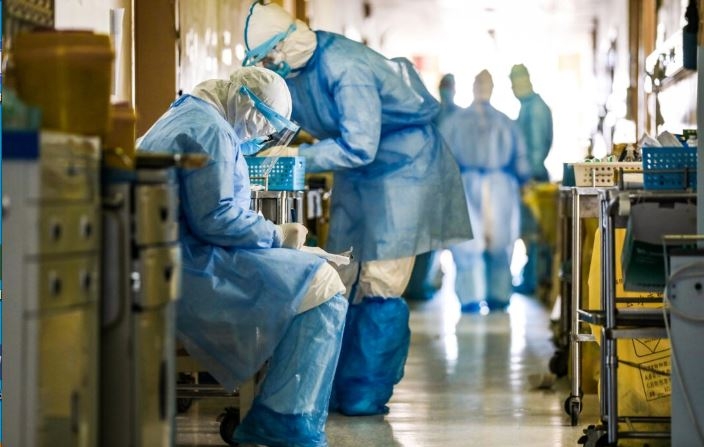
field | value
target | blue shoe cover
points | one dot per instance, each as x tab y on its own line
496	305
266	427
374	351
475	307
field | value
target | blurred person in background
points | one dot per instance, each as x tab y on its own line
535	122
491	153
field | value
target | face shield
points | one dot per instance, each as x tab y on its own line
264	127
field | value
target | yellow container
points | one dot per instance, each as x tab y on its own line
68	74
119	143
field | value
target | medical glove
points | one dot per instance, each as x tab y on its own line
293	235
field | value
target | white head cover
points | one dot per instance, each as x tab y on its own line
483	86
268	20
237	108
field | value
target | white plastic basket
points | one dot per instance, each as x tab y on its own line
604	173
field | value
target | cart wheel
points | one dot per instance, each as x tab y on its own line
594	437
229	421
183	404
573	407
558	363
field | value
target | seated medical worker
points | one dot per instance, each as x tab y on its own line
248	294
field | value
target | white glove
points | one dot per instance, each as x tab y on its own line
293	235
279	151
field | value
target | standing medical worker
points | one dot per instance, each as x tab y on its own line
447	98
396	190
492	156
535	122
248	294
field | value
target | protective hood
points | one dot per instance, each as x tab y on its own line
483	86
520	81
239	106
273	37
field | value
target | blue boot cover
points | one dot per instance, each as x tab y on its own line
374	352
292	405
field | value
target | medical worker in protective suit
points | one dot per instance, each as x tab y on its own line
447	92
492	156
248	294
396	189
535	122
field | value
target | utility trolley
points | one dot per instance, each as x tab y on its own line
641	320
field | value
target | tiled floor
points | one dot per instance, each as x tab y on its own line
468	382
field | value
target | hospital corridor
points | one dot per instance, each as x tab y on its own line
345	223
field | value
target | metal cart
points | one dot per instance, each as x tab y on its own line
623	322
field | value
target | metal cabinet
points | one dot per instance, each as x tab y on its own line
142	272
50	292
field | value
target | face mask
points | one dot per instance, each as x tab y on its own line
276	62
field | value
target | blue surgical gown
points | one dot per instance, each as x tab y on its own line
240	291
492	157
397	190
535	122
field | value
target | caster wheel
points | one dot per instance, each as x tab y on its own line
573	407
229	421
183	404
558	363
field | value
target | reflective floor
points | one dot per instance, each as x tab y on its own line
469	381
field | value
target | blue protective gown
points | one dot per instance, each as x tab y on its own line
535	122
493	160
241	292
396	187
426	279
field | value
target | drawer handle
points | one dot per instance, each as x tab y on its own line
86	227
55	284
86	280
168	273
56	231
164	213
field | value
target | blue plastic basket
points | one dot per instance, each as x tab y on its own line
670	168
287	173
